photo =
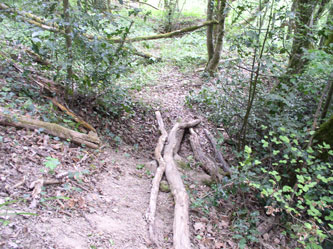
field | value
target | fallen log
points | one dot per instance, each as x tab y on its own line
53	27
157	179
181	234
207	164
91	140
217	152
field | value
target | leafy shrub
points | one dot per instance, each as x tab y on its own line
293	182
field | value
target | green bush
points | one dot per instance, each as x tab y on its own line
293	182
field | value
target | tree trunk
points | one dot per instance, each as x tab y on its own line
291	22
328	98
325	134
301	39
214	61
206	163
53	27
68	37
157	178
328	40
209	33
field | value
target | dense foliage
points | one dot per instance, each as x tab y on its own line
272	109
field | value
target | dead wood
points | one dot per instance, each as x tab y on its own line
207	164
181	234
37	58
148	4
36	187
157	178
73	115
267	225
167	35
91	140
218	155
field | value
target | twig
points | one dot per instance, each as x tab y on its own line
19	183
37	189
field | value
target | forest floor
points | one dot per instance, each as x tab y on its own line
103	199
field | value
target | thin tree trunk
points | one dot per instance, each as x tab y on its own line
213	63
209	33
291	23
181	233
254	83
318	14
328	40
53	27
68	37
255	14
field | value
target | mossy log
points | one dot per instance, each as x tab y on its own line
91	140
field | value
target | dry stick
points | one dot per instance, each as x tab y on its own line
181	233
150	215
36	187
148	4
217	152
207	164
72	114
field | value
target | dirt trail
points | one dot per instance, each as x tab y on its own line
115	216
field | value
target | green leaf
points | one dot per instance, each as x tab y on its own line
140	166
310	150
308	225
248	150
264	127
287	189
51	163
284	139
265	143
